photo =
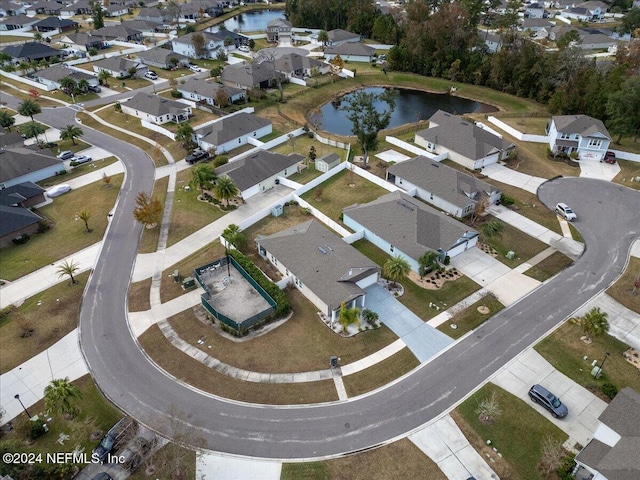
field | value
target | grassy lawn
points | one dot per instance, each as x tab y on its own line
77	171
302	144
565	351
401	459
138	299
67	235
306	175
416	298
518	433
189	214
96	417
512	239
307	341
24	334
550	266
185	368
337	194
381	373
627	144
470	318
532	160
170	289
68	145
527	124
622	290
150	236
628	171
154	153
16	90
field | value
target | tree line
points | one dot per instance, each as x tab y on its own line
441	39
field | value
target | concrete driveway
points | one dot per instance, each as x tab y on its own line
422	339
600	170
511	177
530	368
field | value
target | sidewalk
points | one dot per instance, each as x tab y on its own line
506	175
624	324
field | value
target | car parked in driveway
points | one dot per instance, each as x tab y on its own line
151	75
610	157
80	159
566	212
195	68
196	155
66	155
244	48
58	190
548	400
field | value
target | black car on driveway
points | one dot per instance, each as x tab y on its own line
548	400
196	156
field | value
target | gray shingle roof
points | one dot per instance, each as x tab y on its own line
31	50
208	89
18	193
55	22
155	105
454	186
409	224
330	275
19	161
623	413
463	137
56	72
160	55
290	62
350	49
15	218
329	158
279	22
584	125
339	35
115	64
115	31
18	20
249	74
253	169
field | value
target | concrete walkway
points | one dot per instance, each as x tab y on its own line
624	324
499	172
220	467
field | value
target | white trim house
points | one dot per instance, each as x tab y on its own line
578	133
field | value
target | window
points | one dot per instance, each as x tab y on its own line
594	142
274	260
391	248
298	282
565	136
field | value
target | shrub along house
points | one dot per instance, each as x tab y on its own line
326	269
444	187
401	225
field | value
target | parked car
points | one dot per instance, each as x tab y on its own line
548	400
244	48
102	476
58	190
80	159
151	75
196	155
566	212
66	155
115	437
195	68
95	88
610	157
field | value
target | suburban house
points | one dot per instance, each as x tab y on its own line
26	52
586	11
259	171
119	33
578	133
534	10
596	41
81	7
249	75
210	92
294	65
21	164
44	7
402	225
327	162
278	30
84	41
155	15
612	453
538	26
213	42
463	141
55	24
9	8
231	131
493	41
556	32
339	36
326	269
446	188
162	58
115	10
119	67
156	109
353	52
50	77
143	26
17	23
26	194
15	217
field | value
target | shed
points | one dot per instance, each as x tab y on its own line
327	162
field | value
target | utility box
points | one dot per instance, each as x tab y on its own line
188	282
511	255
596	372
333	361
176	276
276	211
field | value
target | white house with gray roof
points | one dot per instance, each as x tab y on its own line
402	225
156	109
353	52
464	142
326	269
578	133
210	92
445	188
21	164
259	171
50	77
162	58
612	453
232	131
119	67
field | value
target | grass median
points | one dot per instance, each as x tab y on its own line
550	266
624	290
470	317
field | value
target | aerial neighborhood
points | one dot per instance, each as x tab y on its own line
319	239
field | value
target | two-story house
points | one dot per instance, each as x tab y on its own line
578	133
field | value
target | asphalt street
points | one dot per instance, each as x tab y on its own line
608	218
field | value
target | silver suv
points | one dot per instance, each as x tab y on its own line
565	211
548	400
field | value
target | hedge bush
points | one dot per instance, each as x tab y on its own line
283	307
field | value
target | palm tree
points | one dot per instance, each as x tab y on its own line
67	84
396	268
6	120
489	409
225	189
32	129
428	262
104	77
85	215
594	323
29	108
323	37
68	267
37	37
348	316
494	227
203	176
234	236
83	85
71	132
58	395
24	66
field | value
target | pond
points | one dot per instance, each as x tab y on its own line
411	106
252	21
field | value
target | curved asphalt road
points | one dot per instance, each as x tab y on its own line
609	220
